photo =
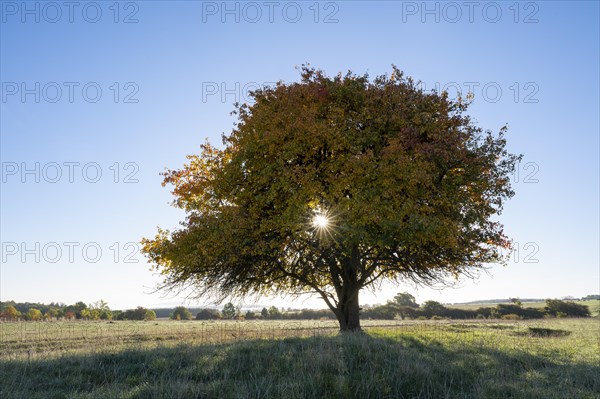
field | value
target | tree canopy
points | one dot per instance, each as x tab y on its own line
333	184
405	304
229	311
181	313
405	299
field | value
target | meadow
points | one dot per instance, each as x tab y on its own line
550	358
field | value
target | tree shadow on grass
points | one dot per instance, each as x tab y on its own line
345	366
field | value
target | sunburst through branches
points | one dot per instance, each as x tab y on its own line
323	224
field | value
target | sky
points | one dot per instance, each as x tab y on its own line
98	98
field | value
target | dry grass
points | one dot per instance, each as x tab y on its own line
163	359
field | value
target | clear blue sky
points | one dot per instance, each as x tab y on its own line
168	79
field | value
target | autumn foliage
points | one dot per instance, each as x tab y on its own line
408	184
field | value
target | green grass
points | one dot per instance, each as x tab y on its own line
555	358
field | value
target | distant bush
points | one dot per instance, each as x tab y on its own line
149	315
33	315
275	313
433	308
9	312
485	312
453	313
181	313
208	314
304	314
383	312
502	310
590	297
139	313
311	314
558	308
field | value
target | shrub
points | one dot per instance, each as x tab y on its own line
181	313
433	308
560	308
208	314
459	313
382	312
149	315
274	313
139	313
33	314
511	316
502	310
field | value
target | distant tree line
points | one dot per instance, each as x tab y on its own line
590	297
403	306
13	311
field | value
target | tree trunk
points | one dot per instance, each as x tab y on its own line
347	311
348	314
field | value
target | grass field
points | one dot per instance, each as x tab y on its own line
551	358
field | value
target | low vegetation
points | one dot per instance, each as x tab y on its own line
403	306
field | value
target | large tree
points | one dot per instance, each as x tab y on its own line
331	185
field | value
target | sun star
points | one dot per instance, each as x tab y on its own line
320	221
